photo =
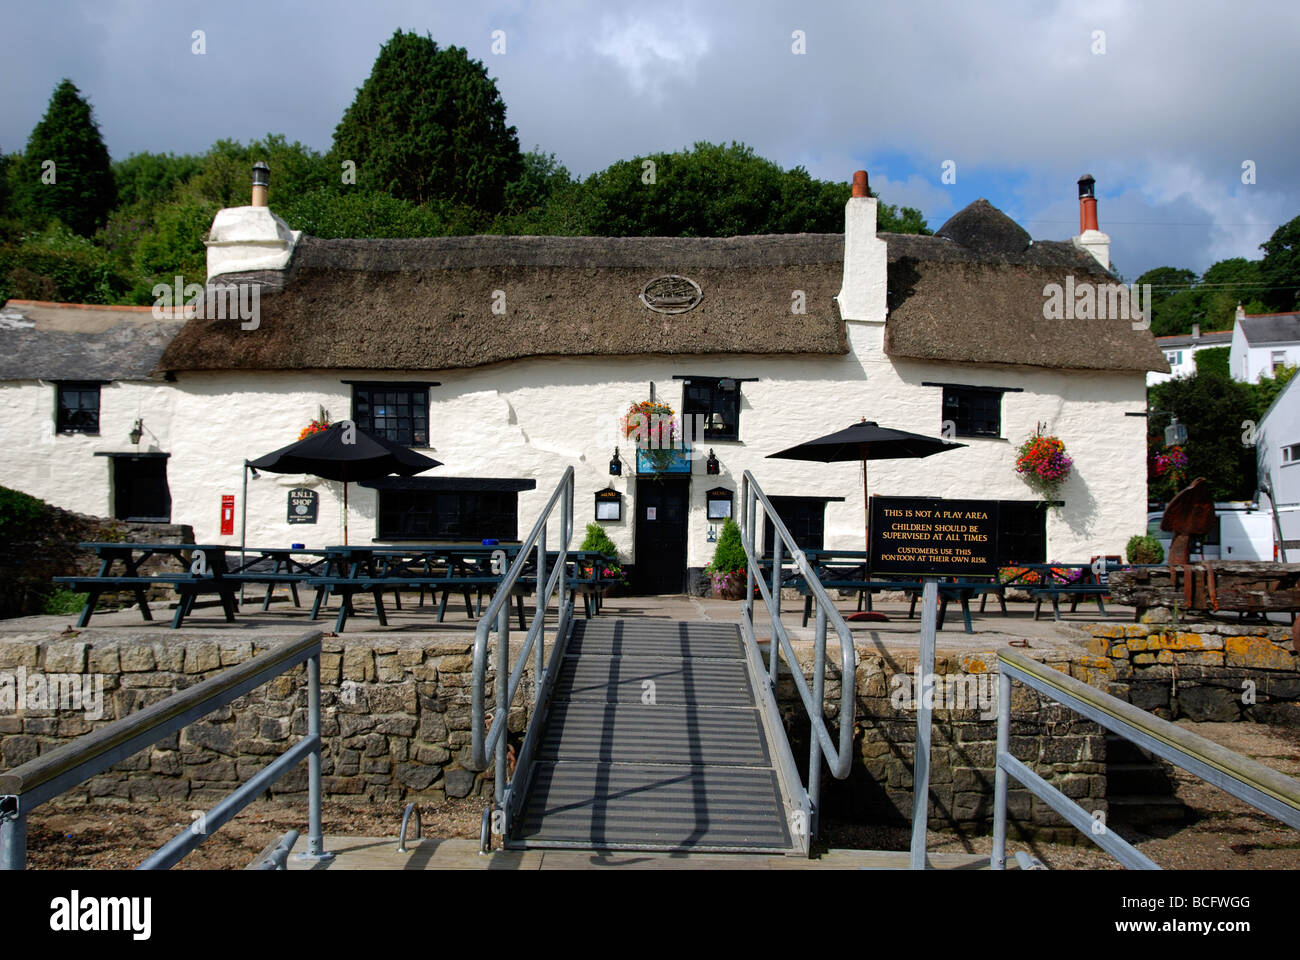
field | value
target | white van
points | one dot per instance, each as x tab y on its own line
1241	532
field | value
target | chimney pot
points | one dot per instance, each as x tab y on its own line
261	182
860	188
1087	204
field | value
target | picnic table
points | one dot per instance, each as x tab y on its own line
1052	581
203	569
847	570
446	568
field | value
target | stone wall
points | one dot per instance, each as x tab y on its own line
27	566
1200	671
396	722
1061	747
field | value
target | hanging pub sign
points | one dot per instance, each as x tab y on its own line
609	504
929	537
302	505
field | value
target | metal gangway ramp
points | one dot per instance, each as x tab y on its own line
654	741
650	734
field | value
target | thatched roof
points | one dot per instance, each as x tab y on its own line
427	304
56	341
973	292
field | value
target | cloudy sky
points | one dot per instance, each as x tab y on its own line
1163	102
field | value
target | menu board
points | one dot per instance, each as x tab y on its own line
928	537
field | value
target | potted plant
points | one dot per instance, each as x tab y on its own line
727	569
1043	463
598	540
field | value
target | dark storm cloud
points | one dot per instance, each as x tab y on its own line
1014	94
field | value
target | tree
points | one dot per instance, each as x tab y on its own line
66	172
712	190
1280	268
1213	410
542	175
429	124
1165	282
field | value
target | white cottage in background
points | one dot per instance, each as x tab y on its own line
1277	455
1263	342
1180	351
512	358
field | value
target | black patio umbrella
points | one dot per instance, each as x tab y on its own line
866	441
328	454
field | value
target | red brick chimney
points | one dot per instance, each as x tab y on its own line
1090	237
1087	203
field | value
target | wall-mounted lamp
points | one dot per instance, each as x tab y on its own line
711	465
615	465
1175	433
137	431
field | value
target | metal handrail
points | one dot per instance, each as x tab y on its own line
1262	787
484	740
838	758
411	808
51	774
276	859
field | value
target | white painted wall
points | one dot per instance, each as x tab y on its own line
532	418
1186	366
1280	427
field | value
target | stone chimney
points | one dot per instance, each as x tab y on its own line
862	292
1196	331
252	238
1090	237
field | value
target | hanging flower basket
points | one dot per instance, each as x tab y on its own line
1042	462
316	426
652	426
1173	461
319	425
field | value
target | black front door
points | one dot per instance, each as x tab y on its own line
661	510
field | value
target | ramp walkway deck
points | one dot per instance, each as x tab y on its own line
653	741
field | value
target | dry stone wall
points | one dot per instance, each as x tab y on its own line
396	725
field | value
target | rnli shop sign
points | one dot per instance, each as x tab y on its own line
929	537
302	505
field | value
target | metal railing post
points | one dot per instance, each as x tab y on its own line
502	705
814	749
543	601
774	610
924	707
747	515
315	835
999	858
13	837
